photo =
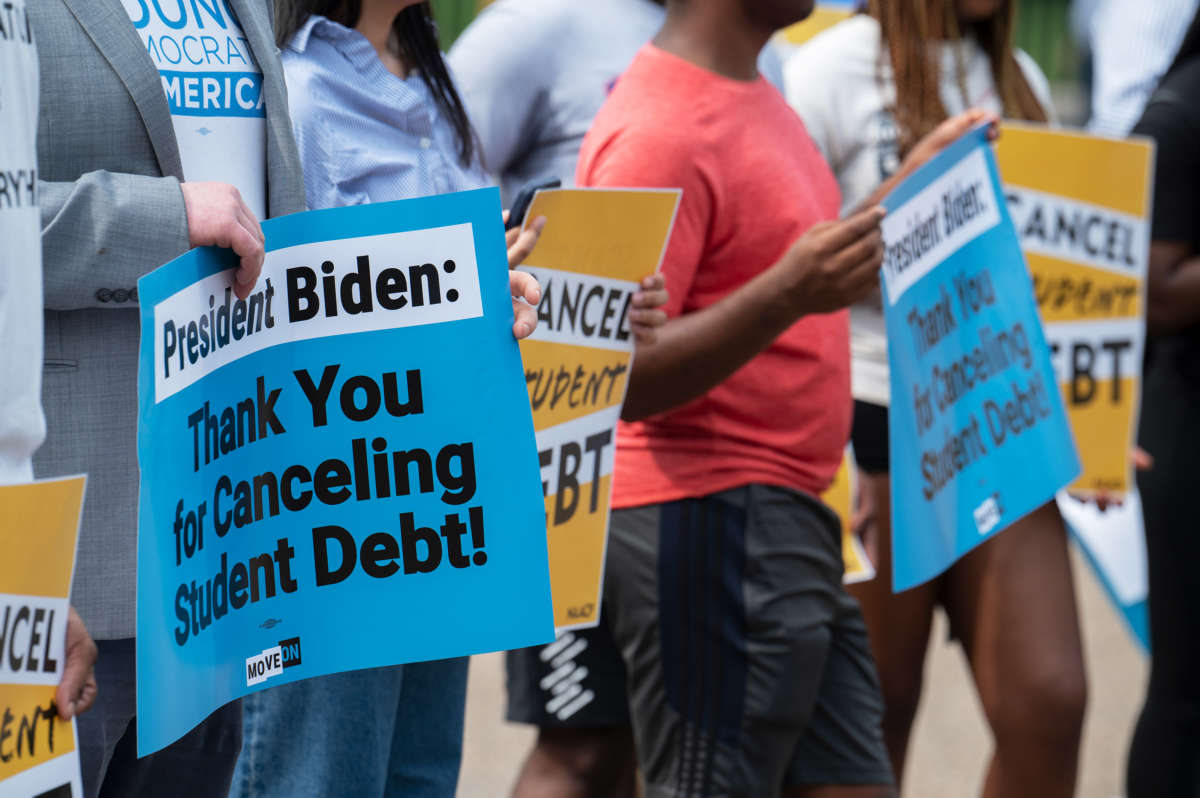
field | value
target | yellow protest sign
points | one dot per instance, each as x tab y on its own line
840	498
39	524
1081	206
824	16
597	246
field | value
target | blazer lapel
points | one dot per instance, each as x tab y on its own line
107	24
282	160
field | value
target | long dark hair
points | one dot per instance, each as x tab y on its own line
415	33
907	27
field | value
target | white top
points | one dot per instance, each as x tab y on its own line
1132	45
834	83
214	90
22	426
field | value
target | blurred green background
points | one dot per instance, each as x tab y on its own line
1043	31
454	15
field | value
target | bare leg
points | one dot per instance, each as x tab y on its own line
898	625
580	763
1012	602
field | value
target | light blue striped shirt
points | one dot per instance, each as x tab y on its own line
364	134
1132	45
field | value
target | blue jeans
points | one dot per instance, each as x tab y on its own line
379	733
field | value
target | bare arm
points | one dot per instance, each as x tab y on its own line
829	267
1173	287
938	139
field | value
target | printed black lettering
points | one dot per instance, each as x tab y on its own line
379	555
302	294
410	536
317	395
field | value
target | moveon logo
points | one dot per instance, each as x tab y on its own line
987	514
272	661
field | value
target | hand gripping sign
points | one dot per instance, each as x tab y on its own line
841	496
979	436
338	472
597	246
39	526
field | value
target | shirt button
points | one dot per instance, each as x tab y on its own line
425	142
104	295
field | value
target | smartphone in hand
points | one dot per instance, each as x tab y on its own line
520	206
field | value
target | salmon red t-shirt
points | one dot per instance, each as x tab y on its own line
753	182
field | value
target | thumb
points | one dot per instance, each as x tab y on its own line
1142	460
75	675
81	654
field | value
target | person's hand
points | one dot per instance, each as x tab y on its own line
647	314
1142	461
77	689
526	292
834	264
522	240
217	216
862	523
864	504
946	134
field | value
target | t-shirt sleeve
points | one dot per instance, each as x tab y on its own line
657	160
1175	130
502	64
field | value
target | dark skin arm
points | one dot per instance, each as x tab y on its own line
1173	287
938	139
832	266
828	268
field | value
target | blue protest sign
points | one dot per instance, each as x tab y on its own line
339	472
979	436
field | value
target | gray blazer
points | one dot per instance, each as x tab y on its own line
112	211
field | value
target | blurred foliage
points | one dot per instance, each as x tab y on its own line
1044	31
453	16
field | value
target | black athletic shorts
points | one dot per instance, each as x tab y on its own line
870	437
578	681
749	665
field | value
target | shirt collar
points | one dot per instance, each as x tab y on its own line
347	41
355	48
299	41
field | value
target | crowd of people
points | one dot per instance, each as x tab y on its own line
730	659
